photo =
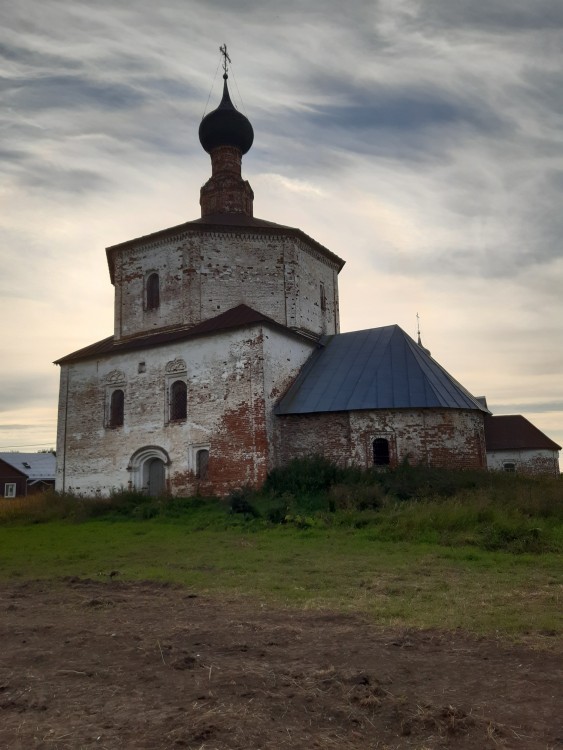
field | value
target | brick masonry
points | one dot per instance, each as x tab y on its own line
233	379
226	192
533	461
205	273
435	437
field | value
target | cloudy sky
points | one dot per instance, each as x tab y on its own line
422	141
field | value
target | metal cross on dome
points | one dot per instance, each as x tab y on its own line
223	51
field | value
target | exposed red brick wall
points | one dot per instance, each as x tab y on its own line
298	436
238	444
443	438
226	192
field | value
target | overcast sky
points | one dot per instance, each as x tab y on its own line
420	141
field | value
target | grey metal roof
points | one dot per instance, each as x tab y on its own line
379	368
33	465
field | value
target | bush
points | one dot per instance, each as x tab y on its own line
304	476
355	497
238	501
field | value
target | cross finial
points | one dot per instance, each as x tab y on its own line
226	59
419	339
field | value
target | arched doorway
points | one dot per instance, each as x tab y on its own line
148	468
156	478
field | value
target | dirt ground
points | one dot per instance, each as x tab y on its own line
92	664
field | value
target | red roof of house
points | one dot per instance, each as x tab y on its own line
515	432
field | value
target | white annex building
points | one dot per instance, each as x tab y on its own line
226	359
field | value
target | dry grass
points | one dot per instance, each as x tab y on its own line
21	507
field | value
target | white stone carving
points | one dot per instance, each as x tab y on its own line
114	377
176	365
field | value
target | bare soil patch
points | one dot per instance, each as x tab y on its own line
89	664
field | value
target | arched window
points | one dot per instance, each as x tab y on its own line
153	292
116	408
178	400
380	452
509	466
202	462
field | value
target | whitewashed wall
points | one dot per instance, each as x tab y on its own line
535	461
205	274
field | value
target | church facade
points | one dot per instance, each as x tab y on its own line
227	359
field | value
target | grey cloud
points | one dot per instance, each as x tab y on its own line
15	155
75	181
68	92
37	174
33	58
395	110
544	89
408	125
500	16
493	261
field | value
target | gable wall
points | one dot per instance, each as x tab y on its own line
232	379
225	413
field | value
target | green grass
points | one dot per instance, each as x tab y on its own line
412	547
395	583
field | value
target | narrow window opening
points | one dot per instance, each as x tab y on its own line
380	452
202	462
178	400
323	296
116	408
153	292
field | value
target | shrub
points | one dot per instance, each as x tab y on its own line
239	499
355	497
304	476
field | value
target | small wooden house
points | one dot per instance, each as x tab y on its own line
22	474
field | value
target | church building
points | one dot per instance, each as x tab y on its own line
227	359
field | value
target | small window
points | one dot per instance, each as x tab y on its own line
380	452
178	400
153	292
323	296
10	489
116	408
509	466
202	462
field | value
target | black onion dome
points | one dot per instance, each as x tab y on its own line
226	126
